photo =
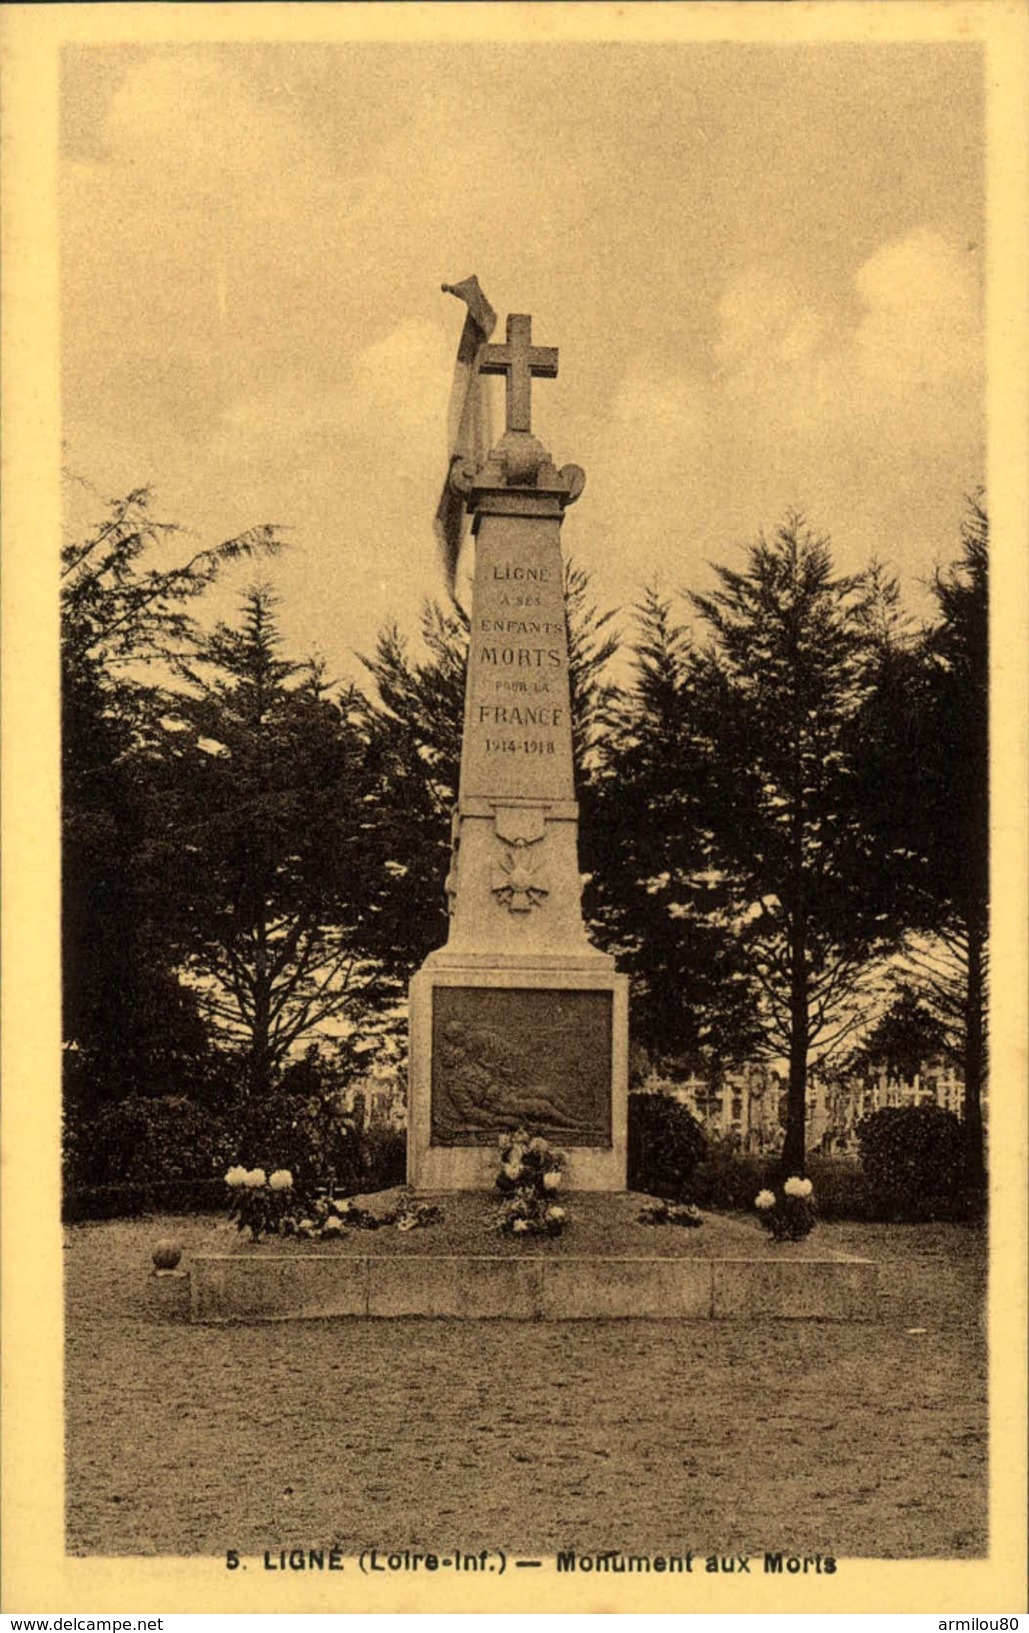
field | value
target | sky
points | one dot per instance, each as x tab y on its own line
761	265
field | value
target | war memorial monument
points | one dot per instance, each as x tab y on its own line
518	1020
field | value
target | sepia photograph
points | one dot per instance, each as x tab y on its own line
526	1113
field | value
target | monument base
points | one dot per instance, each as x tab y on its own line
531	1289
608	1266
500	1043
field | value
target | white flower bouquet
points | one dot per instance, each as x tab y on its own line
329	1217
788	1214
264	1206
531	1174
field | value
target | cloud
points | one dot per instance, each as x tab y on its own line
252	316
860	406
355	468
371	425
196	116
918	324
388	378
212	240
828	373
922	323
762	318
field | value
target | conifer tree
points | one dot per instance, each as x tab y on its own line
951	970
660	902
783	690
413	724
129	1025
262	839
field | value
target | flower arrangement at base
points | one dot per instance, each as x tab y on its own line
262	1203
531	1175
269	1205
417	1215
331	1216
789	1213
671	1213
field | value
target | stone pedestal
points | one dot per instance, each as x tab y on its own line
518	1021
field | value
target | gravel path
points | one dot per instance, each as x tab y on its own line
854	1440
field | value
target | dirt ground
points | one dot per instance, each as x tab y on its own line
855	1440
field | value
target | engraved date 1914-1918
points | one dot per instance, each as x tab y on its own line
511	745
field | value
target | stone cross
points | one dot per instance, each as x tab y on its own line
519	360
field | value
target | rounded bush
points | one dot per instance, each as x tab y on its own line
666	1143
144	1141
913	1159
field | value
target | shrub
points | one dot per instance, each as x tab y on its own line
383	1158
170	1154
913	1159
144	1142
129	1201
728	1178
841	1188
142	1155
666	1143
313	1135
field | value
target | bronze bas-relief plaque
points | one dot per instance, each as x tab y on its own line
511	1057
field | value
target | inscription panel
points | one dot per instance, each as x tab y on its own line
510	1057
517	737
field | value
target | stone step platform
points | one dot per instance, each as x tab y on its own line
607	1266
529	1288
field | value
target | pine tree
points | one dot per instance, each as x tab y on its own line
129	1025
784	690
905	1037
951	969
660	903
413	728
262	841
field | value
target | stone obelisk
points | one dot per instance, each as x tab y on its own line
519	1021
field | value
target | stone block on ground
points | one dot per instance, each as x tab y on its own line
240	1288
460	1288
662	1289
168	1294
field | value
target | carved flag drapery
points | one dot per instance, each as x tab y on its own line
468	430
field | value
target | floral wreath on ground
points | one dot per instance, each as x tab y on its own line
330	1216
671	1213
531	1175
789	1213
270	1205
